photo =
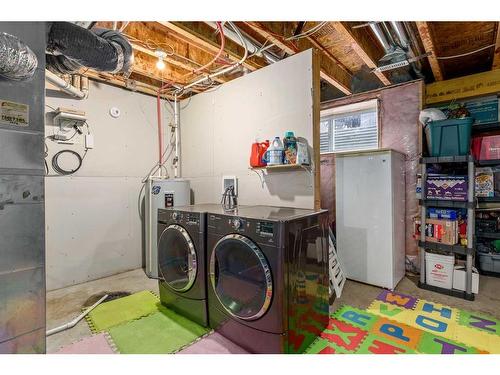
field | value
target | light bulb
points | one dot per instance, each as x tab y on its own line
160	64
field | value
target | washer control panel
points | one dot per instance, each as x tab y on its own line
265	228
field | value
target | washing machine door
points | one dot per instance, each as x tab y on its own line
241	277
177	258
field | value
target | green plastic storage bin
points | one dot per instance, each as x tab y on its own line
449	137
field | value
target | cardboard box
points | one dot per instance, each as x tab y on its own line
443	187
459	277
484	182
442	231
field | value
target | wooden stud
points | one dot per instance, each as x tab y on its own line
316	99
362	47
425	36
496	56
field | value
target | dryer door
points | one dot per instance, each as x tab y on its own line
241	277
177	258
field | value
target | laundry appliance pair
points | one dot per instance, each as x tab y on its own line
257	274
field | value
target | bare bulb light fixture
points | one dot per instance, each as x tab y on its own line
160	64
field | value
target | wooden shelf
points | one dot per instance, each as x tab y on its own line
282	167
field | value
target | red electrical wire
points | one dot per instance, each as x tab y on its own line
221	50
168	84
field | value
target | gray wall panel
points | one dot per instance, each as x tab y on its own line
28	92
19	150
24	309
22	235
29	343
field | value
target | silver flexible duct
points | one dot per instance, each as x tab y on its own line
17	60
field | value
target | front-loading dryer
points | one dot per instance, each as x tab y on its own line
268	277
182	259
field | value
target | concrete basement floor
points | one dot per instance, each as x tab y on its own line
65	304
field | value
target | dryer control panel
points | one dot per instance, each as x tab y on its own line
259	230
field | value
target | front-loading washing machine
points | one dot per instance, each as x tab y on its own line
182	259
268	277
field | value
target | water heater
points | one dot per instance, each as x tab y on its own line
160	193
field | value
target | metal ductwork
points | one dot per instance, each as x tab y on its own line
71	47
393	37
17	60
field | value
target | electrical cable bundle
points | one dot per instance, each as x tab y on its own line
60	170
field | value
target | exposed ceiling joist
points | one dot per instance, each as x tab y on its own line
330	71
363	47
204	36
496	54
425	36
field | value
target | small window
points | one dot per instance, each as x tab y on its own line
349	128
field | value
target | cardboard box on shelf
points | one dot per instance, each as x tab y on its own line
484	182
442	231
444	187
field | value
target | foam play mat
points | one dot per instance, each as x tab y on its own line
213	343
122	310
159	333
400	324
100	343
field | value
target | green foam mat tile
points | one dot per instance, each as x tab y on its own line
322	346
122	310
159	333
432	344
480	322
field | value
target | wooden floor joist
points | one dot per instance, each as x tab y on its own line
426	37
363	48
496	54
330	70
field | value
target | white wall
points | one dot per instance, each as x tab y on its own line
92	217
218	128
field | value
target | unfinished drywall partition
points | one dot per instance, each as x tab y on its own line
399	107
93	224
219	127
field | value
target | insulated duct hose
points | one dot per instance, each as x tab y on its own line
17	60
72	47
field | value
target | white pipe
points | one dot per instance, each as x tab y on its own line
176	124
65	86
225	70
73	323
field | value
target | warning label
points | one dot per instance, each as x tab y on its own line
16	114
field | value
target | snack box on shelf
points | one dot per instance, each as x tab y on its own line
444	187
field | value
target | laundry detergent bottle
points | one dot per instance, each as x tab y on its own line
257	154
275	152
290	146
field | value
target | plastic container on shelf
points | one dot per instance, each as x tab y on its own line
439	270
460	277
486	147
290	146
274	154
257	154
450	137
489	262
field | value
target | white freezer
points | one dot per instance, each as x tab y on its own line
370	215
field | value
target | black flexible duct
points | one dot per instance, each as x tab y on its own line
72	47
